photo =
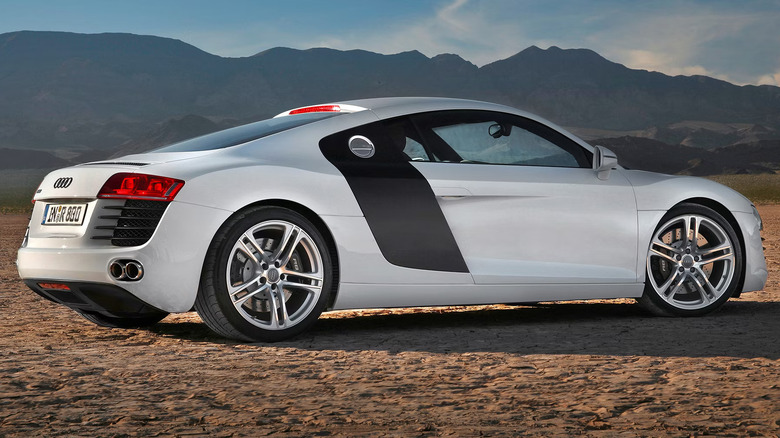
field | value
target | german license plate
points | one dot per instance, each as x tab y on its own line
64	214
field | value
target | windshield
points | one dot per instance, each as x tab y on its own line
244	133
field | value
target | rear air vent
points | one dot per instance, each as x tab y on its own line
135	222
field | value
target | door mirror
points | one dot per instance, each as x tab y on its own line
604	161
498	130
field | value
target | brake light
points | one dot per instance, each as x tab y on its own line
316	109
140	186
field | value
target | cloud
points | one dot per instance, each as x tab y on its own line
737	42
459	26
694	39
655	61
770	79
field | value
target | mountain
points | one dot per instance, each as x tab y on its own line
87	96
656	156
578	87
21	159
169	132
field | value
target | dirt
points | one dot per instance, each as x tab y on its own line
599	369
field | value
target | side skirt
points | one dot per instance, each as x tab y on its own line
364	296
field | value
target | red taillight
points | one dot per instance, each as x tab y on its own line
38	190
317	109
54	286
140	186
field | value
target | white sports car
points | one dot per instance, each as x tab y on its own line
391	202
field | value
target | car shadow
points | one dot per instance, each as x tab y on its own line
740	329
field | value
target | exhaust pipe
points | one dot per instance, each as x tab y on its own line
134	271
126	270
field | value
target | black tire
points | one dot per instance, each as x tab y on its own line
261	281
129	322
697	279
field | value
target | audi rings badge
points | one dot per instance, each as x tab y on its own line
63	183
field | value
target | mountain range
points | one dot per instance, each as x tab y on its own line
90	96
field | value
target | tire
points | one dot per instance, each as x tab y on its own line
267	276
130	322
687	276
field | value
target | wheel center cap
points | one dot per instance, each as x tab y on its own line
272	275
687	261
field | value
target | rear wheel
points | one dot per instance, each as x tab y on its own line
267	276
694	263
127	322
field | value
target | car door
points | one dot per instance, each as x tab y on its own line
523	202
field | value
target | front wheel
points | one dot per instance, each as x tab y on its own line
694	263
267	276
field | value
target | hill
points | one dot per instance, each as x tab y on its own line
88	95
656	156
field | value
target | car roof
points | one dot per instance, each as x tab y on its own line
392	106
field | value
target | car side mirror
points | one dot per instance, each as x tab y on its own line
604	161
498	130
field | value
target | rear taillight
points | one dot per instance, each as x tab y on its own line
140	186
38	190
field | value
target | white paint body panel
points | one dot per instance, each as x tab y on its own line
536	225
527	234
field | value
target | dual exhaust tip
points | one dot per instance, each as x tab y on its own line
126	270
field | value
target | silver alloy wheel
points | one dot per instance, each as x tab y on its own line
275	275
690	263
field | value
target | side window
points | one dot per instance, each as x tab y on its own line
496	138
403	136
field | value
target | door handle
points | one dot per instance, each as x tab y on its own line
451	192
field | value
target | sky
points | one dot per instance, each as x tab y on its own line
733	40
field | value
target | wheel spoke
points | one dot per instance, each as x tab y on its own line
306	275
702	292
707	251
257	248
282	307
232	290
240	301
309	288
663	254
658	242
276	304
728	256
287	251
707	283
695	242
248	252
668	281
687	231
673	289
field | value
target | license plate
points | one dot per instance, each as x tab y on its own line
64	214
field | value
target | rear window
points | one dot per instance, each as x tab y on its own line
244	133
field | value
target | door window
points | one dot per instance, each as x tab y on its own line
496	138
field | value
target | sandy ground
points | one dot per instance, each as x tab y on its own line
600	369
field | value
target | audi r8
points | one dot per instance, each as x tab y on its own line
377	203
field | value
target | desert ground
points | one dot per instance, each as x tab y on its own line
599	369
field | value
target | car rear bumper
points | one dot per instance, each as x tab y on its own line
105	299
172	259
